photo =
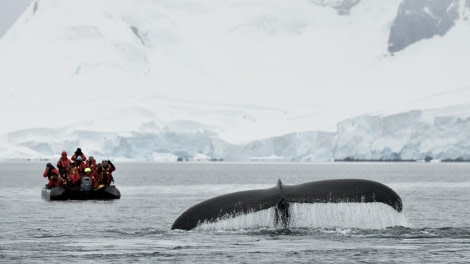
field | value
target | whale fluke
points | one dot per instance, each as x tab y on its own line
281	196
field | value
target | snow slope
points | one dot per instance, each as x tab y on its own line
210	76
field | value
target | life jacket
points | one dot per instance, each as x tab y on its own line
52	174
74	176
63	163
91	164
104	175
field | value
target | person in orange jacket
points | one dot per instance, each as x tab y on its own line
52	175
63	163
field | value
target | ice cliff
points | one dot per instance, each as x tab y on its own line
300	80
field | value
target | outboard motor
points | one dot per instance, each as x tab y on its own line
86	185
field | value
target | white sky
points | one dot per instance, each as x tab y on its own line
10	10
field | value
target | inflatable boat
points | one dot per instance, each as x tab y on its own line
83	192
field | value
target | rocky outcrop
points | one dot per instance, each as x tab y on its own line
422	19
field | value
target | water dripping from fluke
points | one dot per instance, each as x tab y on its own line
313	216
353	203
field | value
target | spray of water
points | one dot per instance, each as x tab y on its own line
317	215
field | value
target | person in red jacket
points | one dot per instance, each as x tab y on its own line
104	172
66	179
73	177
53	175
78	153
91	163
80	165
63	163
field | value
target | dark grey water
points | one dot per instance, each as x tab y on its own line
434	226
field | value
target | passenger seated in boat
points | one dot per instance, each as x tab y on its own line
80	165
104	173
78	153
90	174
63	178
66	180
91	163
63	163
53	175
73	177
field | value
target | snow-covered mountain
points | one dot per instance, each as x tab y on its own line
299	80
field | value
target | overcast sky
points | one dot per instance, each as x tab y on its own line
10	10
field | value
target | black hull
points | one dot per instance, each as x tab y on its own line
61	194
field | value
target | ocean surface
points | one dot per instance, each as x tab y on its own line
434	226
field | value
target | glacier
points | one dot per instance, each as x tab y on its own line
263	80
414	135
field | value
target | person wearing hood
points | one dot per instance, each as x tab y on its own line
78	153
80	165
104	173
91	174
63	163
73	177
91	163
52	175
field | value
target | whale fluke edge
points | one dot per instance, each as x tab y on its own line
280	196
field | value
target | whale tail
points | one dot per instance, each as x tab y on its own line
281	196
